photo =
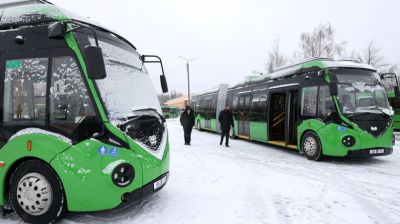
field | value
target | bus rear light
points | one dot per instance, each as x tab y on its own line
2	164
29	145
348	141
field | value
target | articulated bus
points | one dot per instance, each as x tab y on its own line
321	107
81	128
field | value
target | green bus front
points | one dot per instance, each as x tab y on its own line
105	139
356	121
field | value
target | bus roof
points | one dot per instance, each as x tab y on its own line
16	13
302	66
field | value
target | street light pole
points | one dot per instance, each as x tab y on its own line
188	74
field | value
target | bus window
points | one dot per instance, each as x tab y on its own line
259	107
25	92
309	101
69	98
325	103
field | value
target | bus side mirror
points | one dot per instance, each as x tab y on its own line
94	60
396	91
164	84
56	29
156	59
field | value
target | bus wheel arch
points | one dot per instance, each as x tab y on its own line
311	146
30	167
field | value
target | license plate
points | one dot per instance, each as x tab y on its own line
376	151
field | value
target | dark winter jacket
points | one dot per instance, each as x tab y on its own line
225	118
187	120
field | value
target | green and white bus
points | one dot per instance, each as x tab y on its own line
81	128
170	112
321	107
390	82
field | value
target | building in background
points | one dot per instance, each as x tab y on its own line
179	102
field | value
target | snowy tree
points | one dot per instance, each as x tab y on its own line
372	55
320	43
276	58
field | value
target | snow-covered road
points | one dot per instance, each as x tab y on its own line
256	183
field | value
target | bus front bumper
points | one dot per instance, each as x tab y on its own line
145	191
370	152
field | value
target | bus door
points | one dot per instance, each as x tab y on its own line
244	111
292	118
283	117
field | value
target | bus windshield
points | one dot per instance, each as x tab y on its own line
127	87
360	92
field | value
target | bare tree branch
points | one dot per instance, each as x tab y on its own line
275	58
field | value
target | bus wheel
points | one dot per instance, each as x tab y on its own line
36	193
166	116
311	146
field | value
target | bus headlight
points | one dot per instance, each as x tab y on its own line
348	141
123	175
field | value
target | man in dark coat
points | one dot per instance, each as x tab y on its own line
187	122
225	119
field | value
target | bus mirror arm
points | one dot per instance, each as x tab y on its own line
60	29
157	59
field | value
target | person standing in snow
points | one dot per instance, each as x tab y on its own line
225	119
187	122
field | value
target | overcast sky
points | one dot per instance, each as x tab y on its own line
231	38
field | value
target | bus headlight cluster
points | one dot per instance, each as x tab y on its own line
348	141
159	183
123	175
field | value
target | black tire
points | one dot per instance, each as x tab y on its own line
36	174
311	146
166	116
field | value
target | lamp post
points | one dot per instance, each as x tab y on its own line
188	74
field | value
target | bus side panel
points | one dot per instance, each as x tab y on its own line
214	125
44	147
258	131
86	175
396	120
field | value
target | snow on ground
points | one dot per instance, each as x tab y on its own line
257	183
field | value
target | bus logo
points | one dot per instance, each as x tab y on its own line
113	152
102	150
341	128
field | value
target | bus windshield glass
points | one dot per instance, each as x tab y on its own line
359	92
127	87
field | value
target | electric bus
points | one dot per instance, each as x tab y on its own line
81	128
170	112
390	82
321	107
